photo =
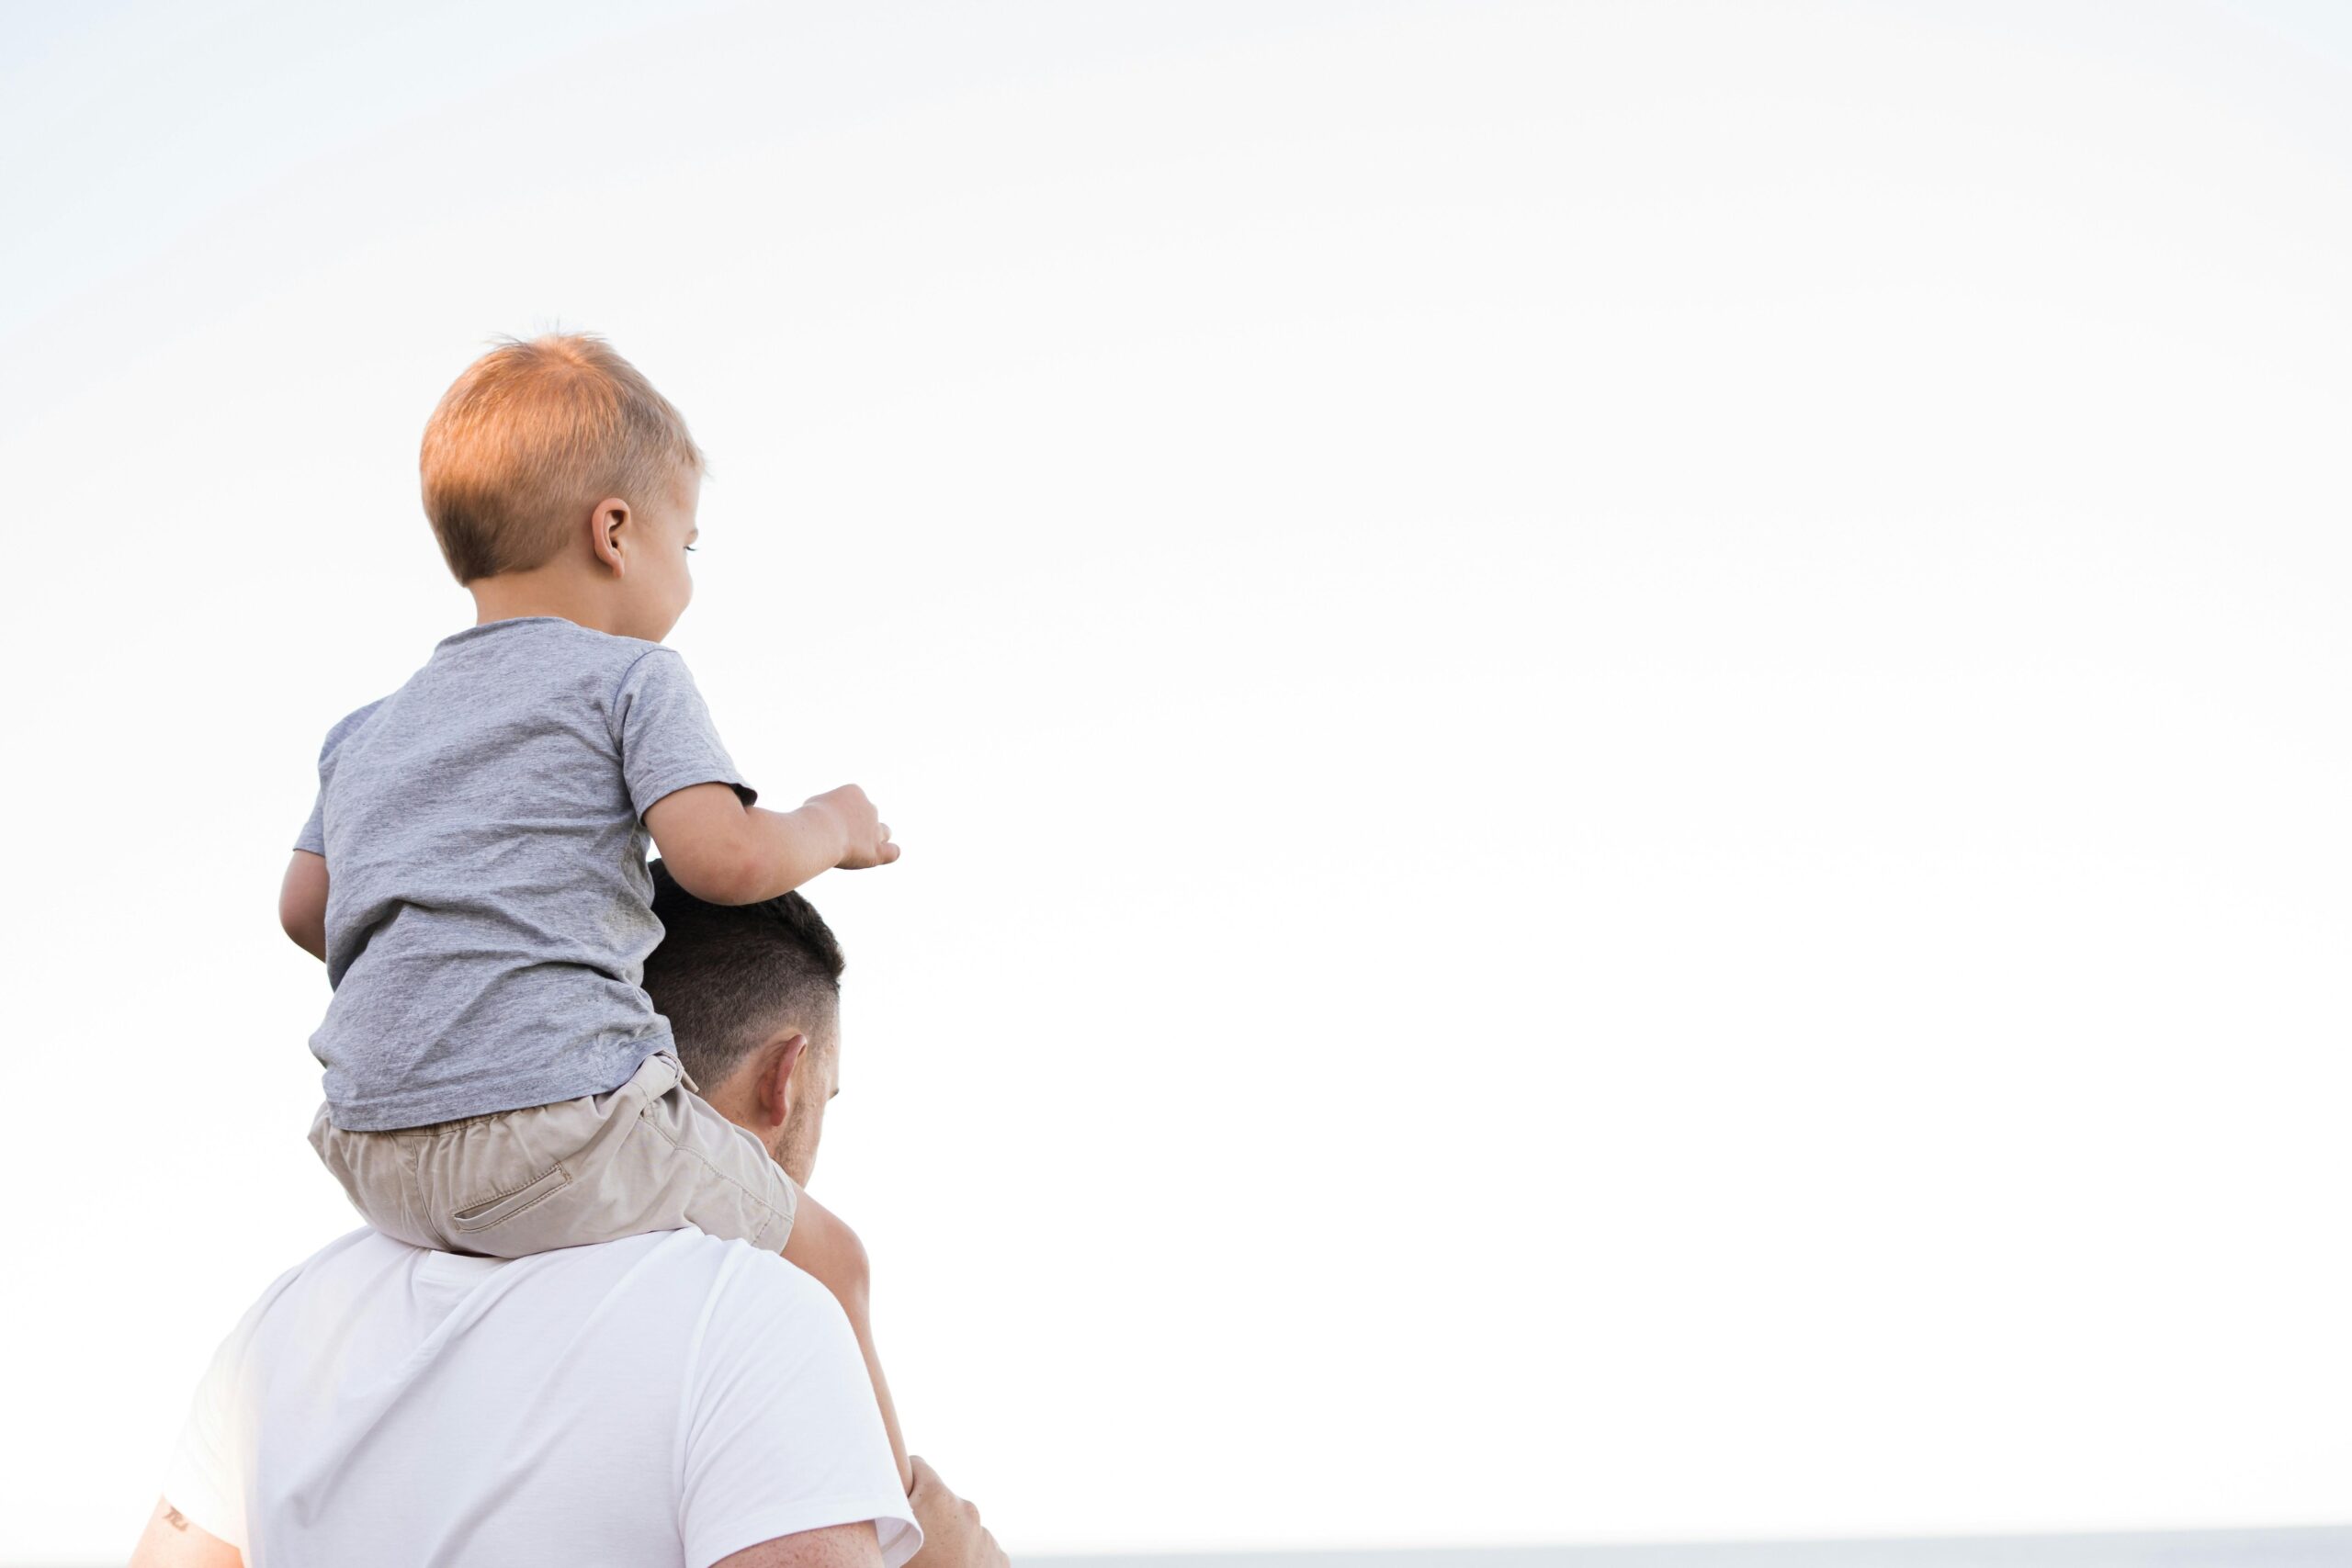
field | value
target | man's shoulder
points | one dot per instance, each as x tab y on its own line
766	1276
721	1301
725	1265
339	1252
287	1294
686	1257
666	1282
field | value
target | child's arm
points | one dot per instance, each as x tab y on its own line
821	1246
302	902
724	852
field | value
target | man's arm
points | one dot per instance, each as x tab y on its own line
837	1545
724	852
951	1537
170	1540
302	902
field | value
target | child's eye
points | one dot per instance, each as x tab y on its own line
690	550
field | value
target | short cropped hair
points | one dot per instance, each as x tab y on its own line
532	436
729	976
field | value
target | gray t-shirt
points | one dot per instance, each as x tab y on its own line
488	907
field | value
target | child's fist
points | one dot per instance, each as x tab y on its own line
866	839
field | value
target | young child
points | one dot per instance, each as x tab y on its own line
474	872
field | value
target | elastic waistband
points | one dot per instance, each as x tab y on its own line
664	1061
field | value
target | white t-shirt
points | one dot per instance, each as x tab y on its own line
668	1399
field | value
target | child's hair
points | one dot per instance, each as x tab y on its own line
532	434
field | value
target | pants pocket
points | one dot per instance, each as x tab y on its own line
505	1206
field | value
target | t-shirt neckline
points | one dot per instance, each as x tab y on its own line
487	626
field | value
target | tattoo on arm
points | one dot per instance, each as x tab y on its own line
174	1518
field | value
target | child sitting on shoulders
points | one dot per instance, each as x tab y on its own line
474	872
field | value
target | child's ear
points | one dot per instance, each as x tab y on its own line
606	527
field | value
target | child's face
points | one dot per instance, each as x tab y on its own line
658	584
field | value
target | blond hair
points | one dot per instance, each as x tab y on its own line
532	436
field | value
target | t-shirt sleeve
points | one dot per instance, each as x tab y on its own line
666	738
204	1479
313	836
780	1432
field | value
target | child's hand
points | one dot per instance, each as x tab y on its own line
866	839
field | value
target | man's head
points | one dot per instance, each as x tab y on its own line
556	457
752	994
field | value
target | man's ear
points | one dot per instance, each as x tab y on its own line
606	524
781	1055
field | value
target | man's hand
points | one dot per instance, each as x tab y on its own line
866	839
952	1536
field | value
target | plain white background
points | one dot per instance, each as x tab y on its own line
1619	728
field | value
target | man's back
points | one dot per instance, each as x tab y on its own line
665	1399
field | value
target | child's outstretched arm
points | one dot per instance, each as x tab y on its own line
724	852
302	902
821	1246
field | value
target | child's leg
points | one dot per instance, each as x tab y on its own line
830	1252
373	1169
519	1182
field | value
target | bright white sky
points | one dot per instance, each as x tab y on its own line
1619	728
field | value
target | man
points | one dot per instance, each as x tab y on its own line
663	1399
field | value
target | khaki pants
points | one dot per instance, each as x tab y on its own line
651	1156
